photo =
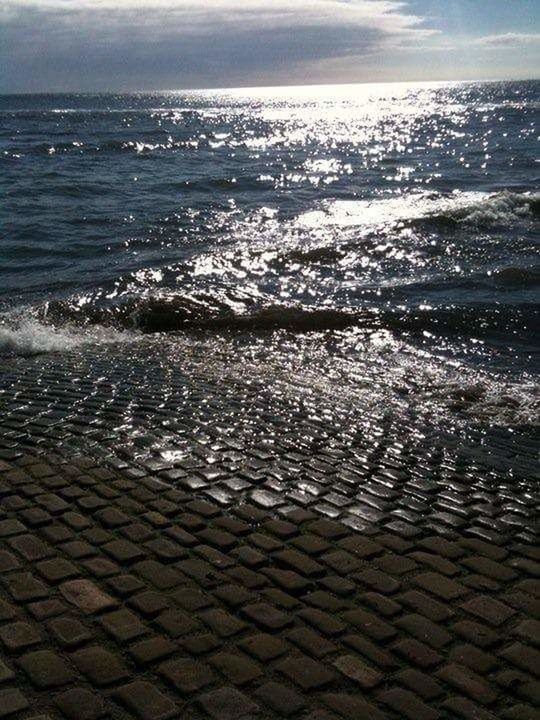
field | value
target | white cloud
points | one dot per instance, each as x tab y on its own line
152	44
141	43
389	16
508	40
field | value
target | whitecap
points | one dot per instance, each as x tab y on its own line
30	337
462	208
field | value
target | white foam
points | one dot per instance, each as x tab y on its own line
472	208
30	337
499	209
492	401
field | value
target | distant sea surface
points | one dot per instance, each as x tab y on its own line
408	208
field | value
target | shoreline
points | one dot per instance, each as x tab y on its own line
352	437
184	536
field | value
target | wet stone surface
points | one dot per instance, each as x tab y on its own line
196	540
249	612
348	440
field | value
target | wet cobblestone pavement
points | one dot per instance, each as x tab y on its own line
197	539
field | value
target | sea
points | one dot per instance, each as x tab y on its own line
390	229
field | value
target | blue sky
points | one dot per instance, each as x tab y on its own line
69	45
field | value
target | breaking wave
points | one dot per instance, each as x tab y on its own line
65	324
199	312
503	208
31	337
493	402
478	209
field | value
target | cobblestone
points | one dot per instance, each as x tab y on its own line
280	698
197	610
101	666
19	636
228	704
146	701
81	704
305	672
87	596
12	701
46	669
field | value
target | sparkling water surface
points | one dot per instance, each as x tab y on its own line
404	213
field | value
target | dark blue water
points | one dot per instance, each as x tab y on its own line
411	207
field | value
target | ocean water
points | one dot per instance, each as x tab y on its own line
407	210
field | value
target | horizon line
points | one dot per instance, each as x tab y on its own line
269	87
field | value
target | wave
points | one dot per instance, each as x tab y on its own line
320	254
501	280
199	312
138	146
476	395
31	337
206	312
470	321
427	210
503	208
521	276
488	400
162	318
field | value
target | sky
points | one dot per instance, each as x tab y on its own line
130	45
